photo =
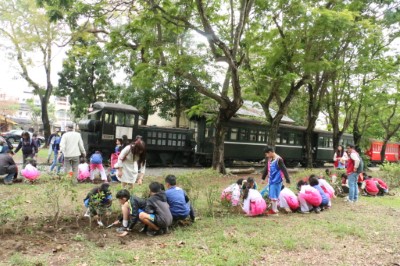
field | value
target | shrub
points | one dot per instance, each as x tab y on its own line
391	174
57	196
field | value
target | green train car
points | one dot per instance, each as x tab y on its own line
245	141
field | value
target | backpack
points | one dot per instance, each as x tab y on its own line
360	167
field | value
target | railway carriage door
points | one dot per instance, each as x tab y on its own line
108	129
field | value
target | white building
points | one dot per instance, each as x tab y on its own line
23	115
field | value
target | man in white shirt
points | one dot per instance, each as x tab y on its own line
71	146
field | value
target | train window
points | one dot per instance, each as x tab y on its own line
234	133
284	138
129	120
292	137
108	117
243	134
183	136
298	140
321	141
261	136
330	142
119	119
278	138
253	135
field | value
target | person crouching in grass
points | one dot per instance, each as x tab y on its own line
156	216
98	201
178	200
131	206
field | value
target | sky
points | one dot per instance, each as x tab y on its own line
13	82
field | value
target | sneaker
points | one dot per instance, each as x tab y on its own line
122	229
316	209
100	223
154	233
165	230
143	230
87	213
304	212
271	212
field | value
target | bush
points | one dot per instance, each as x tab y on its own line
391	174
56	197
9	209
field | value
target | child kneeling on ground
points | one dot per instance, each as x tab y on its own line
156	216
30	172
131	206
98	201
253	203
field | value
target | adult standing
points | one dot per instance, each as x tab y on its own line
339	158
71	146
28	146
50	143
351	171
131	164
8	167
274	169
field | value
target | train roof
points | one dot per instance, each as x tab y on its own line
254	109
115	106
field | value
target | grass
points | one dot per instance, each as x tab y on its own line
339	236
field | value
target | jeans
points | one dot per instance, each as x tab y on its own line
353	189
9	178
71	165
55	162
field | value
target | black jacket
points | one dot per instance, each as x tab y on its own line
28	147
7	164
157	204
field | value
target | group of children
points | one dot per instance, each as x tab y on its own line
314	194
370	186
86	172
157	212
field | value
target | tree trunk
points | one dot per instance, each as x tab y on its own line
177	108
337	135
218	163
45	118
309	151
145	117
273	130
383	151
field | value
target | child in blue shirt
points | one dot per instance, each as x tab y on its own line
96	162
178	200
